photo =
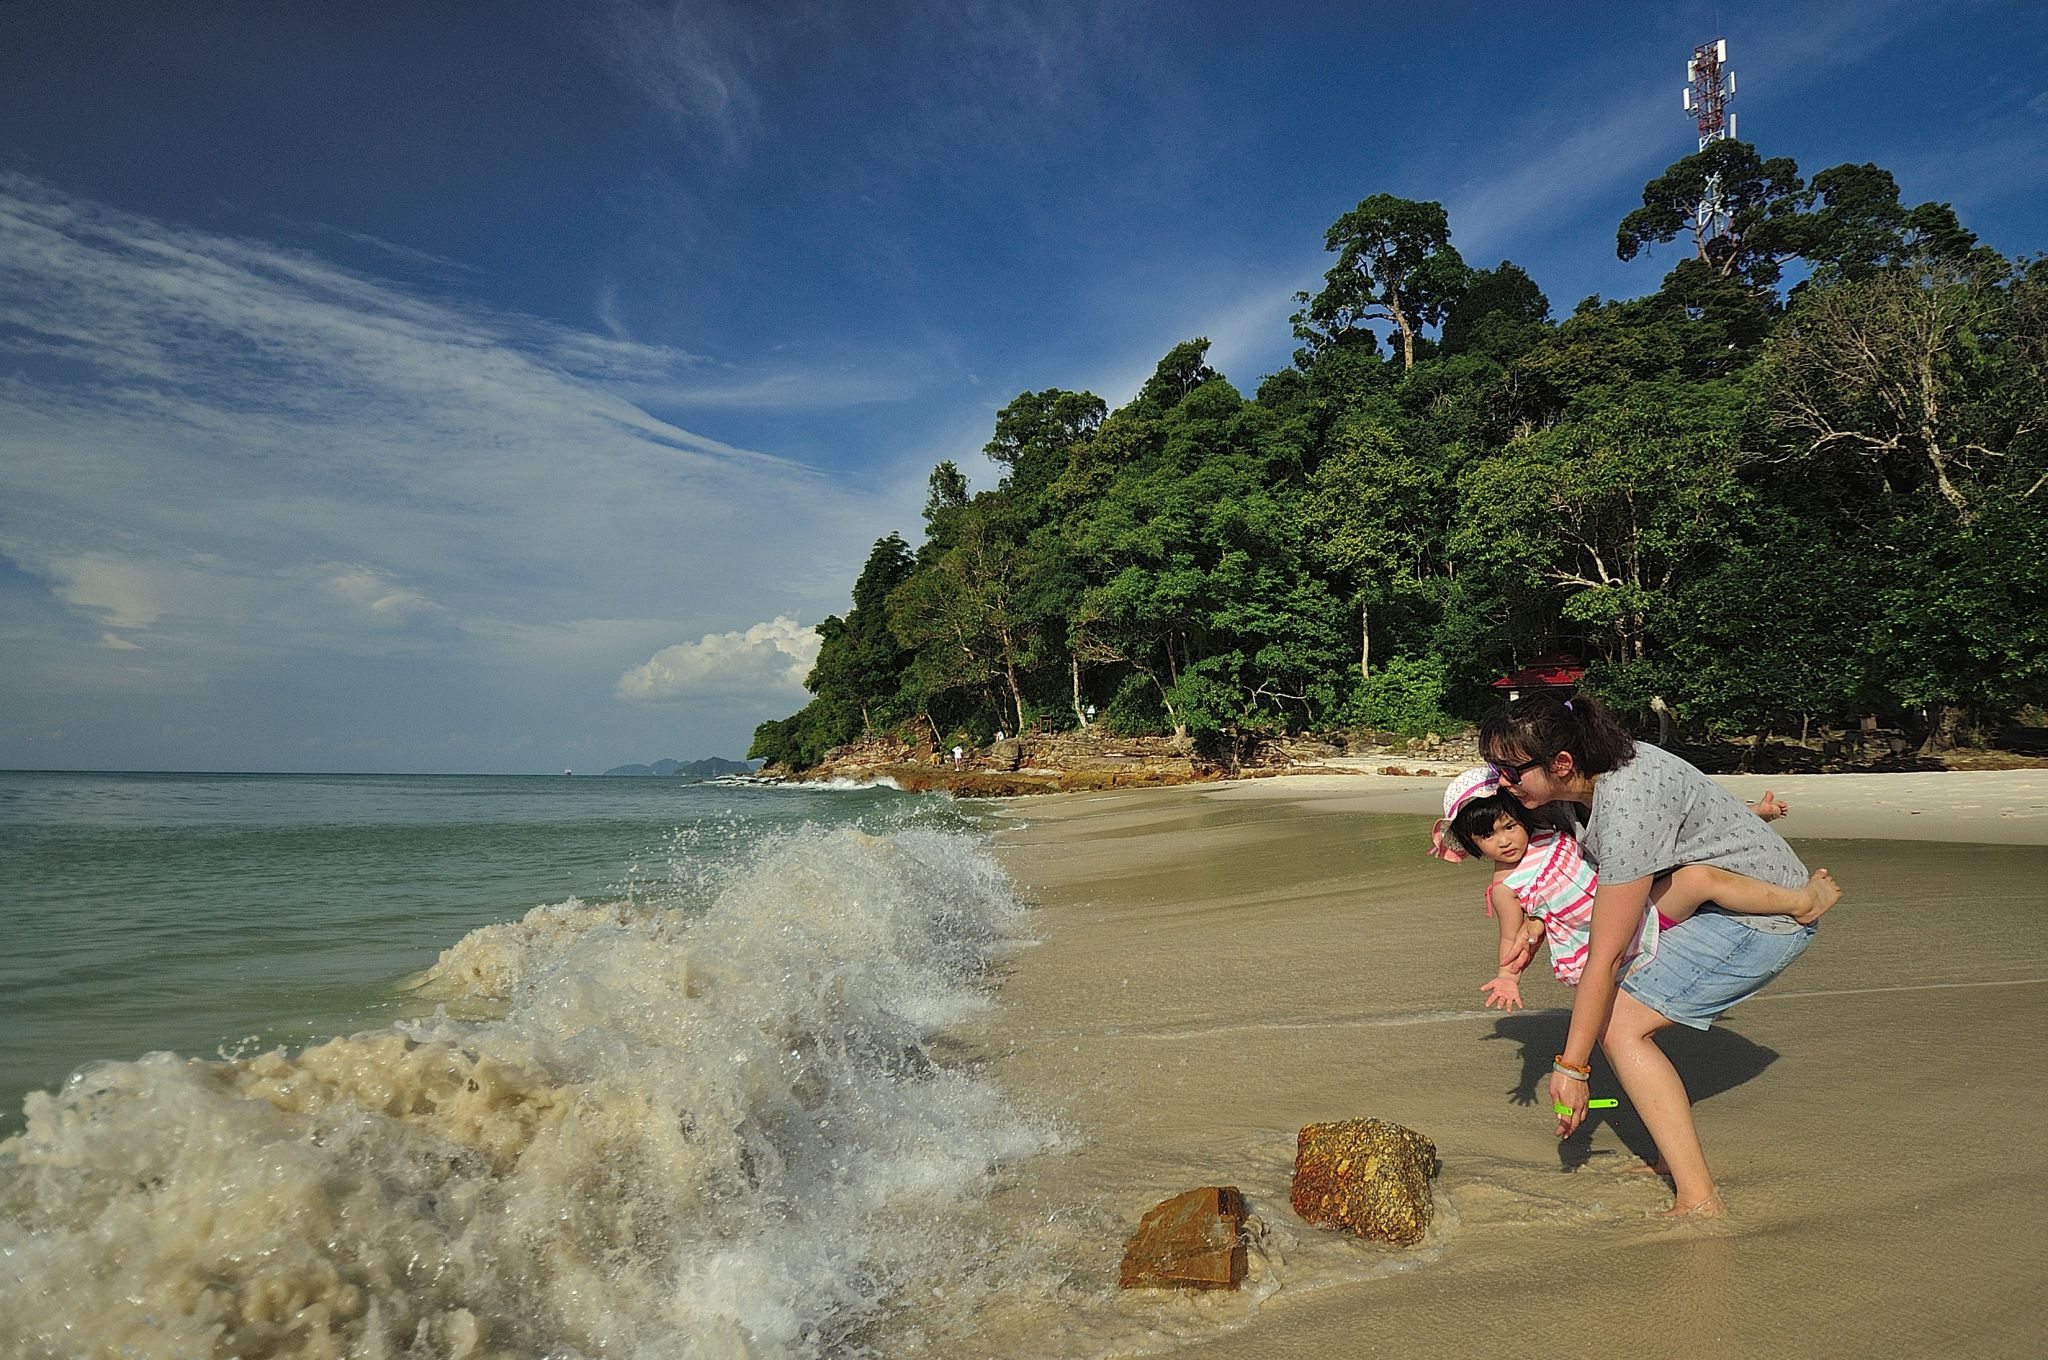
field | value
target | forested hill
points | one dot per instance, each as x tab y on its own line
1802	481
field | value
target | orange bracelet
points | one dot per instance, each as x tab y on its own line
1572	1069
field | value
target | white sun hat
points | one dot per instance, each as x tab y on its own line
1479	782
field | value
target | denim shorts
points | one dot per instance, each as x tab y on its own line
1705	965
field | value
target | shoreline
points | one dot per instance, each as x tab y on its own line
1068	763
1219	964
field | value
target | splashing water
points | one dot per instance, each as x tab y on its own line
709	1119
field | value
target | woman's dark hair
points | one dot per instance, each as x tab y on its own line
1479	817
1541	725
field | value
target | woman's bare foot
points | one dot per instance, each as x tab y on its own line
1821	893
1713	1206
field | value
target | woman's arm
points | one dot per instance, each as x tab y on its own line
1617	916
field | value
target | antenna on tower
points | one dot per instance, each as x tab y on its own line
1709	89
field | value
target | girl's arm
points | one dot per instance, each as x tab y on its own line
1515	950
1504	988
1617	916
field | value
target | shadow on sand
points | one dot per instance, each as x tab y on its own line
1710	1062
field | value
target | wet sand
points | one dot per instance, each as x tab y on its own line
1219	965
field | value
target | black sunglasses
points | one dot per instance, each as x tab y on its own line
1511	775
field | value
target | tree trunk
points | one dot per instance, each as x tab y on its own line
1364	641
1080	713
1663	712
1941	732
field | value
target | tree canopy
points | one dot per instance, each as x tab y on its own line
1761	503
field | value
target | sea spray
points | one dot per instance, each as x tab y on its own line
717	1125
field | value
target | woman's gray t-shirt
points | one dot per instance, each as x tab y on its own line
1657	812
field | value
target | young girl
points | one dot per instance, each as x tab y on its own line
1543	886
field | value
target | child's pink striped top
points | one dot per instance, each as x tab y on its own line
1555	884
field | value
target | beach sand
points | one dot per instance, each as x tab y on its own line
1219	965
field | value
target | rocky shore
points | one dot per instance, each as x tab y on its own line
1070	762
1076	762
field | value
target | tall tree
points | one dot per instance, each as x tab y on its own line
1612	512
1762	198
1376	516
963	613
1036	433
1500	313
1395	262
1901	373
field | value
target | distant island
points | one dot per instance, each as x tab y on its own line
711	767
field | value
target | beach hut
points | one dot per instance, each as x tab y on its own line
1554	670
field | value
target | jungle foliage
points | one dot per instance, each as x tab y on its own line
1764	502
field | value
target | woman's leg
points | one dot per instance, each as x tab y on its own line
1659	1097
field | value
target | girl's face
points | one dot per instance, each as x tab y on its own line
1506	843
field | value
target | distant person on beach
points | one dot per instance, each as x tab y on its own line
1543	886
1641	812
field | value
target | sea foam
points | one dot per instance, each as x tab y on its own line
634	1129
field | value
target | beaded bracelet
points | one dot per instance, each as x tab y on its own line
1572	1070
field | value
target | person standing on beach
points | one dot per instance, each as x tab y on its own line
1640	812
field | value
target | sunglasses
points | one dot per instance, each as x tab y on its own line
1511	775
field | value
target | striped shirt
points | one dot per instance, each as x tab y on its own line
1555	883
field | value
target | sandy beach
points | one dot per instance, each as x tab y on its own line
1219	965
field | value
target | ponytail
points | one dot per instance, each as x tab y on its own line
1542	725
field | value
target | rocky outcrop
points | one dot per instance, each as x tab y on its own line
1366	1176
1196	1240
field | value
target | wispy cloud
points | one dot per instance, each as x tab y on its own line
692	60
221	449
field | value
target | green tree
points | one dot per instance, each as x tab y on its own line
1905	374
1500	314
1612	512
962	614
1376	516
1395	262
1762	198
1036	434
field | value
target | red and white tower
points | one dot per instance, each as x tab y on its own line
1709	89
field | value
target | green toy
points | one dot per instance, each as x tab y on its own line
1565	1111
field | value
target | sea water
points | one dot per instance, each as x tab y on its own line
392	1066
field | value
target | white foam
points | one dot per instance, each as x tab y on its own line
719	1131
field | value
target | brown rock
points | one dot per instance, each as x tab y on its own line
1366	1175
1193	1241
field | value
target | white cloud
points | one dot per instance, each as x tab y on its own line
115	593
266	453
771	656
376	595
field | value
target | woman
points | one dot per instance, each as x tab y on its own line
1641	811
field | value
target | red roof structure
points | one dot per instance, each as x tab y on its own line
1553	670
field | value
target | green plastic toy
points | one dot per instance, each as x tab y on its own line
1565	1111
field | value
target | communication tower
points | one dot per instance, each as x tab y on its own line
1709	88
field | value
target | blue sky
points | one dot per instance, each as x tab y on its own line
511	387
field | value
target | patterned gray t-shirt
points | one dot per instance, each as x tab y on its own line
1657	813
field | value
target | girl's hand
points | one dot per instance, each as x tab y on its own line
1503	991
1571	1094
